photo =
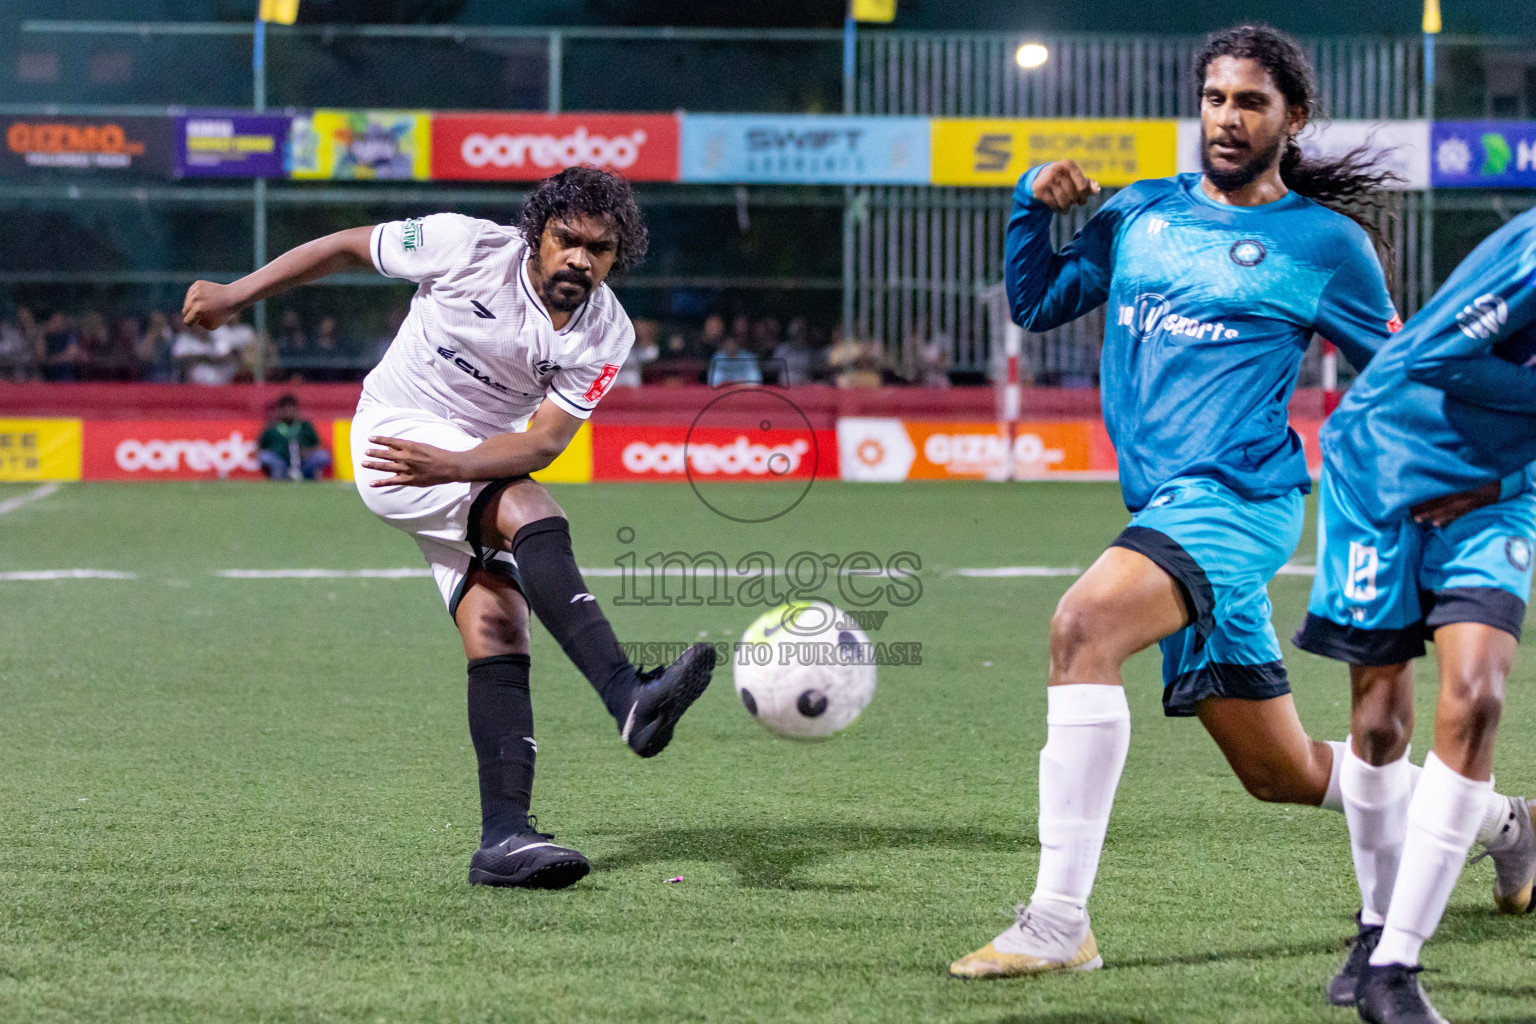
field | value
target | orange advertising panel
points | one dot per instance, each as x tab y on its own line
877	449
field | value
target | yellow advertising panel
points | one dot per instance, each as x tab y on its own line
40	449
986	151
341	449
363	145
574	466
873	10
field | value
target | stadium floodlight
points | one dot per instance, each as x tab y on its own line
1031	55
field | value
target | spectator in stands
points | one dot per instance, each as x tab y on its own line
928	355
711	336
289	449
18	354
330	352
643	351
741	332
212	357
765	336
732	364
794	358
291	339
153	351
855	363
61	349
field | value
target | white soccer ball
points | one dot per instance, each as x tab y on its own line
804	670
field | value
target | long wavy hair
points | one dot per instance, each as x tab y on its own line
1355	183
587	191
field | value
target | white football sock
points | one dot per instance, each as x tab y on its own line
1442	820
1499	828
1333	799
1376	807
1088	733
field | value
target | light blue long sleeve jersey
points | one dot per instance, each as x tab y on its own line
1450	403
1211	308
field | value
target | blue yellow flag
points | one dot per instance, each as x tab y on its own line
283	12
873	10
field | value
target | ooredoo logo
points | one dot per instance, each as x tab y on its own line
733	459
571	150
200	456
525	147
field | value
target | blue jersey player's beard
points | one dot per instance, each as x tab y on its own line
1233	178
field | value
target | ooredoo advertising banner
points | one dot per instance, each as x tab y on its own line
527	147
809	149
715	454
986	151
1484	154
115	144
214	144
362	145
175	449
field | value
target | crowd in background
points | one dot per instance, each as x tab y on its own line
49	345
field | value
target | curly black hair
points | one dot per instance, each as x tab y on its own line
587	191
1353	183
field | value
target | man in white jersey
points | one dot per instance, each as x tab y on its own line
512	339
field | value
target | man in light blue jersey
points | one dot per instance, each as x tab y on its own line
1448	407
1215	284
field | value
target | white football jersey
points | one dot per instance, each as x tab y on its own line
478	347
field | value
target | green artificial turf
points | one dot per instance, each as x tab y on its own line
254	800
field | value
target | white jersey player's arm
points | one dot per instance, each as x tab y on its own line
413	464
211	305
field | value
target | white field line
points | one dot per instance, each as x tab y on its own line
37	494
1015	571
322	574
34	575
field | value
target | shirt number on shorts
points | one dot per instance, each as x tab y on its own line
1360	583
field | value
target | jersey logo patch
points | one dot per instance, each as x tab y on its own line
1360	576
1483	318
481	311
1518	551
1155	225
1248	252
545	370
1395	324
600	385
410	235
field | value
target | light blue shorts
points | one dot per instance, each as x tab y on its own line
1222	550
1382	590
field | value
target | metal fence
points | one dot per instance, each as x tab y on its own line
914	259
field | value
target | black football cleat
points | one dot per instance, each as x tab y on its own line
662	697
1393	995
1341	990
528	860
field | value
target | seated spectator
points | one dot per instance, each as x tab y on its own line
855	363
154	351
18	355
61	355
928	355
109	349
291	339
643	351
710	337
289	449
741	332
731	364
796	361
765	336
212	357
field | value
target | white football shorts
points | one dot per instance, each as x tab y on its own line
438	517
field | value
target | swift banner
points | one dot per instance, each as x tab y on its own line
362	145
979	151
809	149
1401	146
212	144
527	147
43	449
119	144
1484	154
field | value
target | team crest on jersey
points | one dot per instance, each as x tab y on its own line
1248	252
1518	551
410	235
544	371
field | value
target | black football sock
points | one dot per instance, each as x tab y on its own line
501	727
559	597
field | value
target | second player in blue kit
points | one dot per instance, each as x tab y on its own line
1425	529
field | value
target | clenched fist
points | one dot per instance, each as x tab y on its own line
1063	185
208	305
